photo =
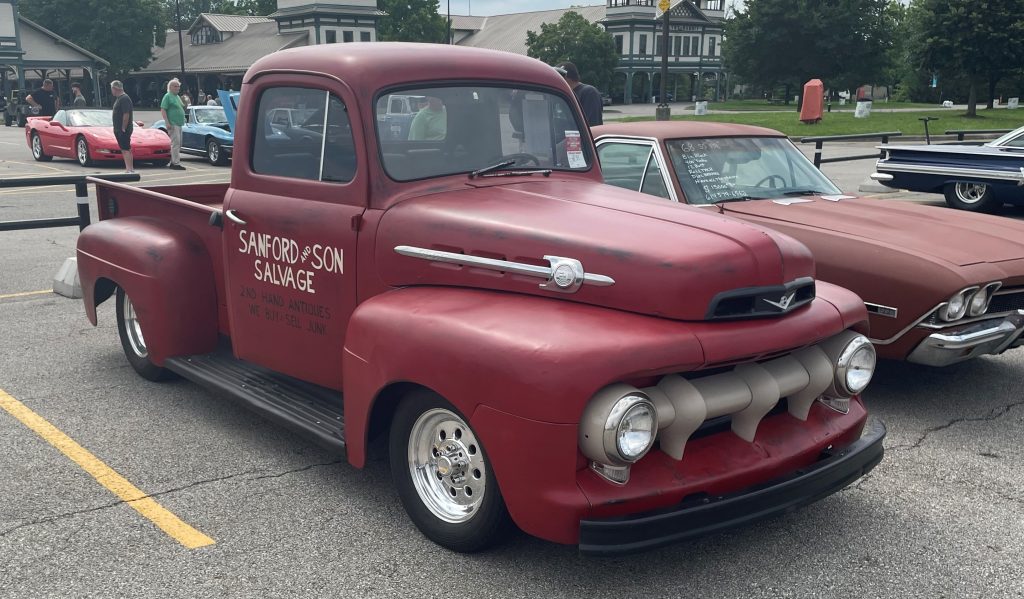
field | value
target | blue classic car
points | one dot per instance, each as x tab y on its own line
208	130
979	178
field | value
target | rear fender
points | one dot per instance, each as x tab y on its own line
165	270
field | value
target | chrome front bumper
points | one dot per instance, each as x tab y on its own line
993	336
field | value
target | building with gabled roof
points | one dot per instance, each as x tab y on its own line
219	48
30	53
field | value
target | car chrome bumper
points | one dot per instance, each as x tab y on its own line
992	336
640	532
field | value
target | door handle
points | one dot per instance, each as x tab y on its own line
234	217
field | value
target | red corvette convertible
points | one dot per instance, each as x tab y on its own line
87	135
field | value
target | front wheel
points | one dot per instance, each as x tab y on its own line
443	476
132	341
82	152
37	149
973	197
215	153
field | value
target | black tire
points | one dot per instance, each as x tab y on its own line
215	153
37	149
82	152
972	197
487	522
162	163
133	342
22	120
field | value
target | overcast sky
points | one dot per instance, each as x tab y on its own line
504	7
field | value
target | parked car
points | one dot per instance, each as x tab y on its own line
940	287
518	331
606	99
15	109
87	135
207	132
394	121
977	178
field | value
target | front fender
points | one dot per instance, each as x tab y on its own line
535	358
165	270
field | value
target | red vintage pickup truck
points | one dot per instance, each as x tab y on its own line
465	284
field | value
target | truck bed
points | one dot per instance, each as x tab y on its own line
190	206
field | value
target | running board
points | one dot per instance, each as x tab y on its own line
312	411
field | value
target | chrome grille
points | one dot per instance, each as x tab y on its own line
1007	301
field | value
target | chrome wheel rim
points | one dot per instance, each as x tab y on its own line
83	152
133	329
214	151
447	466
37	146
970	193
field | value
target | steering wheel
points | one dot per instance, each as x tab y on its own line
770	179
520	157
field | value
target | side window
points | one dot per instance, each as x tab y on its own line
654	180
623	164
303	133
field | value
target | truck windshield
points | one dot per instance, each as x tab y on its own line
714	170
430	132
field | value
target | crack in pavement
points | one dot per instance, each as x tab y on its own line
157	494
993	414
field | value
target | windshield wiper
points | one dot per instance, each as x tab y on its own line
740	199
516	173
803	192
493	167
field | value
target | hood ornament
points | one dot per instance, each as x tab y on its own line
564	275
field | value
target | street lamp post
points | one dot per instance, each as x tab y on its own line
663	112
181	44
449	21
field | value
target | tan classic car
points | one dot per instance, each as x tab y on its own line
941	286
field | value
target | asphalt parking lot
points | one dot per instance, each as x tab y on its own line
941	516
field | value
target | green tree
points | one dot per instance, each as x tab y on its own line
585	44
978	41
121	32
412	21
788	42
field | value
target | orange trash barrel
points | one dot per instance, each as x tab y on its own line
814	100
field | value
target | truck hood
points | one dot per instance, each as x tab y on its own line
665	260
952	236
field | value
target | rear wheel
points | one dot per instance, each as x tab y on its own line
133	342
82	152
443	476
973	197
215	153
37	149
161	162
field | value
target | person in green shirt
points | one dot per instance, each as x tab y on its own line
173	112
430	123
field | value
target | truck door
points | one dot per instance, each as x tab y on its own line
290	227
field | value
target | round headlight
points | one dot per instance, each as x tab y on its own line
979	303
631	427
955	308
855	366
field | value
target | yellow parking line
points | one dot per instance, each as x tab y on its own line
106	476
25	293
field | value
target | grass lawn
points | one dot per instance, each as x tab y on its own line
843	123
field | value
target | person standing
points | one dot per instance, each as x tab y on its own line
431	122
173	112
77	99
587	95
123	115
44	100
